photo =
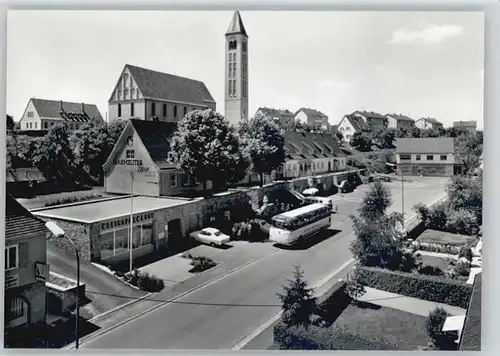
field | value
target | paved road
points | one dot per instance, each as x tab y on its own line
221	314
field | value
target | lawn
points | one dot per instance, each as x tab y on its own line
444	238
402	329
441	263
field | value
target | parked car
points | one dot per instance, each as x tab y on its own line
210	236
345	187
382	179
310	192
325	201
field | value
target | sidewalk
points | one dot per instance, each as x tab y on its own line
437	254
407	304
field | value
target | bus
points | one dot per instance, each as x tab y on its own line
289	227
324	201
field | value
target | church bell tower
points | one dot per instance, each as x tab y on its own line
236	83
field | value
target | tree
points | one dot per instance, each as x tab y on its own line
339	137
205	146
415	132
54	158
91	145
375	202
385	138
434	327
264	143
299	304
362	140
354	289
466	194
10	122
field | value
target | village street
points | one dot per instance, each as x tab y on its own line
221	314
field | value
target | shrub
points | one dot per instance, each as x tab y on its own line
70	200
145	281
431	288
317	338
465	252
354	289
201	263
462	221
431	270
434	326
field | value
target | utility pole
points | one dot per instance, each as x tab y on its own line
131	218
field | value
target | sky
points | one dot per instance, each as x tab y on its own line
421	64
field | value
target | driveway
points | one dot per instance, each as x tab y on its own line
104	290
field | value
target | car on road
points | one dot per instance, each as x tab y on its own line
210	236
324	201
381	179
345	187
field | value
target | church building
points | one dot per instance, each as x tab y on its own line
236	83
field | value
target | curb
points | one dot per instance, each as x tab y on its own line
94	336
249	338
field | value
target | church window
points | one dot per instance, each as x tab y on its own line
234	87
164	110
244	46
230	89
185	110
233	45
125	80
132	109
119	110
125	94
175	111
132	93
153	109
118	94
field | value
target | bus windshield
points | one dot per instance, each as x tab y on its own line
310	216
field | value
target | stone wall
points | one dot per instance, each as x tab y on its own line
79	233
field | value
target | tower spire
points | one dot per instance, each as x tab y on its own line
236	26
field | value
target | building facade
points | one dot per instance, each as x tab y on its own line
397	121
146	94
425	156
138	162
467	126
236	71
25	272
283	116
375	121
311	154
42	114
349	125
312	117
426	123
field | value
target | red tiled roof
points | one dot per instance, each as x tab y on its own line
19	221
163	86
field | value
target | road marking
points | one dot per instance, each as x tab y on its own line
93	337
247	339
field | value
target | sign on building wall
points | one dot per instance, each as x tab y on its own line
130	158
41	271
125	221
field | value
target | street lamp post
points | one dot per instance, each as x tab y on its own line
57	232
402	197
131	218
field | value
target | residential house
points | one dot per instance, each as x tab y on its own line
468	126
312	117
145	94
375	121
398	121
349	125
42	114
311	154
138	161
427	123
25	273
283	116
425	156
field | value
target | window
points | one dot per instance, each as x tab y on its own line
443	158
132	113
30	113
185	110
230	88
405	157
51	124
430	157
125	80
153	109
418	157
244	46
45	125
118	95
119	110
31	125
173	180
36	125
164	110
234	87
71	126
233	45
130	154
175	110
11	257
16	310
125	94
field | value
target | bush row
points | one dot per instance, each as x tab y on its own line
318	338
201	263
69	200
145	281
431	288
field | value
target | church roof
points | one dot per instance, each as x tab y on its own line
236	25
163	86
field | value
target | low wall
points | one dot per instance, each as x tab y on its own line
62	299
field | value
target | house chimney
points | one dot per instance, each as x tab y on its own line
61	105
83	108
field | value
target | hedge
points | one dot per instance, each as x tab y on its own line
317	338
431	288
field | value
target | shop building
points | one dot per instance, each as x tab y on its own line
25	274
138	162
430	156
